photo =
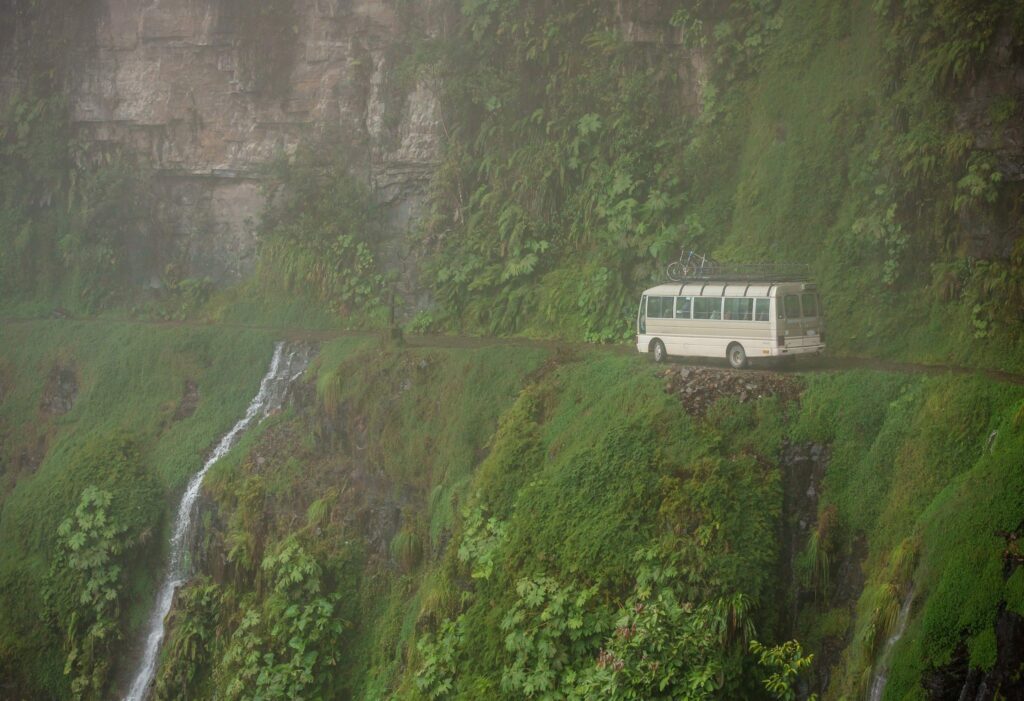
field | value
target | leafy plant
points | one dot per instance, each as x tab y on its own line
284	644
481	542
192	640
785	663
88	568
547	631
667	648
435	677
317	239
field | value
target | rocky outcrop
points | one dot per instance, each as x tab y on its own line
958	681
988	108
207	92
698	388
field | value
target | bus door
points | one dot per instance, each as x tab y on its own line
793	323
811	318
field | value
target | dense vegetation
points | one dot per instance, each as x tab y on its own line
872	141
501	521
841	135
910	458
98	426
581	557
514	521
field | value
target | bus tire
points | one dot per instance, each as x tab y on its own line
736	355
658	351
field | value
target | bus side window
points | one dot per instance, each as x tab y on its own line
761	306
810	302
683	307
792	306
707	308
739	309
666	307
659	308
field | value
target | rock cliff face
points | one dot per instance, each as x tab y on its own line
208	91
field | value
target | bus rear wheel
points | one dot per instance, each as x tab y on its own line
658	351
737	356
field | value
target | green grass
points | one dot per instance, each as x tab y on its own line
913	467
586	460
130	381
583	458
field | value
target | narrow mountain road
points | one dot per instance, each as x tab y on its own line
826	363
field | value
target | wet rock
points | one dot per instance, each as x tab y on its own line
208	92
60	391
803	467
31	455
188	402
956	680
700	387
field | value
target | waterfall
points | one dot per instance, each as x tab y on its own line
284	368
881	676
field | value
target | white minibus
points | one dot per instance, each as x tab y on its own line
732	320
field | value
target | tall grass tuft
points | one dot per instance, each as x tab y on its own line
407	549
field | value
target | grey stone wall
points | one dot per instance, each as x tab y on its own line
208	91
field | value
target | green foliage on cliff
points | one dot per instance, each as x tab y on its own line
496	521
841	135
286	646
908	465
503	522
76	227
564	184
89	568
320	236
585	144
565	552
131	431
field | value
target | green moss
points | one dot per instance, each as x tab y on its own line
1015	592
982	648
923	468
131	380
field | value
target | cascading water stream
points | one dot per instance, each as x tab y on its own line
881	677
284	368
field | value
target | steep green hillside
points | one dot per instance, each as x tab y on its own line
494	524
874	141
471	518
478	524
498	521
927	472
130	411
870	140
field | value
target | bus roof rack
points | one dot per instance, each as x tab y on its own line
707	270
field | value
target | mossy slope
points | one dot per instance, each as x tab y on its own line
130	431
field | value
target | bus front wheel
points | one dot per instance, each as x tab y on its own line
737	356
658	351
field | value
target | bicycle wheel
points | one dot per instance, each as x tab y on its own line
676	271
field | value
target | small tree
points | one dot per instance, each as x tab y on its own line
86	577
785	663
